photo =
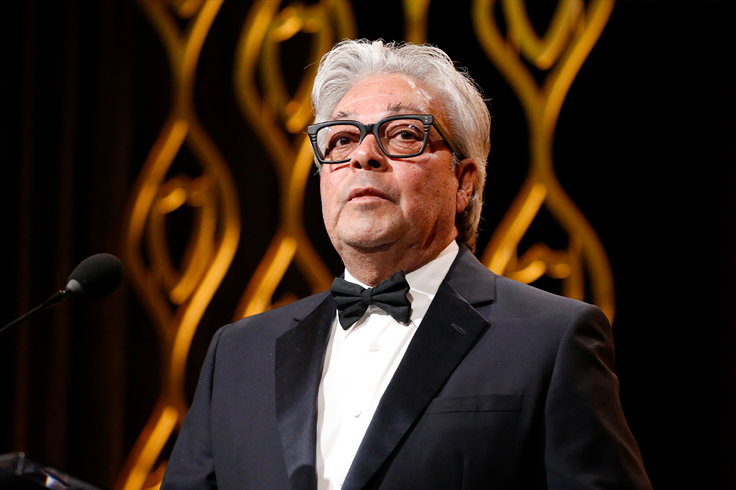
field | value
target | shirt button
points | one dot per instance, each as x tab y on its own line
356	412
374	346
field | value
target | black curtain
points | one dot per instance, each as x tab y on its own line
643	146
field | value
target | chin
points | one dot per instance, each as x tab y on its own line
368	230
365	240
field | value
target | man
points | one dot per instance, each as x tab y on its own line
480	382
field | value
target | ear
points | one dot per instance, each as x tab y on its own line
466	174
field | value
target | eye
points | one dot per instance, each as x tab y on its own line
341	141
404	130
339	137
406	135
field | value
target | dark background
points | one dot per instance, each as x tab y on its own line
643	147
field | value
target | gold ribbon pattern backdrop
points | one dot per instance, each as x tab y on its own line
572	33
280	121
176	296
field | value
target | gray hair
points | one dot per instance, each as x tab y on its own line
468	120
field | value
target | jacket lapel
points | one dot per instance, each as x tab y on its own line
449	329
299	357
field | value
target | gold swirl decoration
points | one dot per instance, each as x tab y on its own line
416	17
177	292
279	119
176	295
572	33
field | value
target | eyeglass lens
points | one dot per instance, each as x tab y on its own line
398	137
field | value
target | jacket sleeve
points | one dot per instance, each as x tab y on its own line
588	444
191	466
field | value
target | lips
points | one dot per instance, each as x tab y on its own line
366	194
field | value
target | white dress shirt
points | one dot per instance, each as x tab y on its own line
358	365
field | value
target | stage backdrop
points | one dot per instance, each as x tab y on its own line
172	134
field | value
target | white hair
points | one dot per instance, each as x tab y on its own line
465	111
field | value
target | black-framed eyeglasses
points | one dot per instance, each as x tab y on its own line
400	136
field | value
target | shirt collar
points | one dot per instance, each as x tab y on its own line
425	281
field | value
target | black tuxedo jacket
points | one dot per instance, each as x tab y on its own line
503	386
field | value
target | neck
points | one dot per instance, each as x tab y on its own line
373	265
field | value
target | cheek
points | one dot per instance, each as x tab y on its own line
331	186
440	188
431	195
327	195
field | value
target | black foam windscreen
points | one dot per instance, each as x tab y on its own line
96	276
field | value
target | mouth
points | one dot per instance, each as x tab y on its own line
366	194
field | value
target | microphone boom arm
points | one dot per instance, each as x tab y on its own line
55	298
94	277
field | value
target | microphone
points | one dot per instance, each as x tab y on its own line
94	277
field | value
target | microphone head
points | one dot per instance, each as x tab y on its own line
96	276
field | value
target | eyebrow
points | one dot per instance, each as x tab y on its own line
391	109
343	115
401	107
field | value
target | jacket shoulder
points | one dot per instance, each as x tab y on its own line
276	321
507	297
531	298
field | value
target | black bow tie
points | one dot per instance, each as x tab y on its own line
390	295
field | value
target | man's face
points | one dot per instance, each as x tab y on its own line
376	202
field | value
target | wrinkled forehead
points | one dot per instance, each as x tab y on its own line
385	95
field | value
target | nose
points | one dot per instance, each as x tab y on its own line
369	156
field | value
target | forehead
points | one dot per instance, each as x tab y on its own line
384	95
